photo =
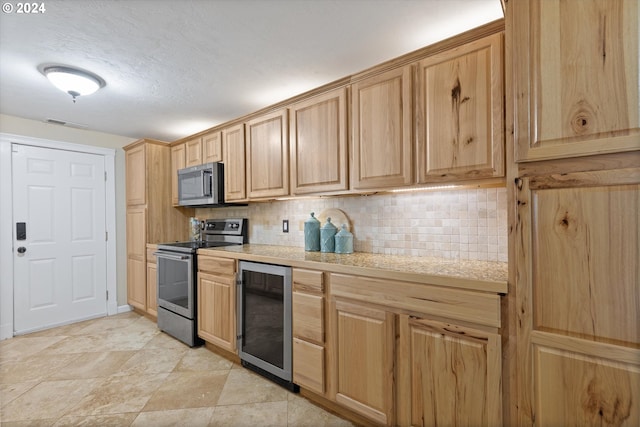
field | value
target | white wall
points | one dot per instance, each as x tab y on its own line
36	129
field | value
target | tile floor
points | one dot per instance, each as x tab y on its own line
122	371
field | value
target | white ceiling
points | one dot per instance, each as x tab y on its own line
175	67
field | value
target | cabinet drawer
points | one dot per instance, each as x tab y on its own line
308	317
476	307
308	365
308	281
215	265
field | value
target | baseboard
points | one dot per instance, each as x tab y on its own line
124	308
6	331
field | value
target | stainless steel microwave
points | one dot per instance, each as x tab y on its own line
201	185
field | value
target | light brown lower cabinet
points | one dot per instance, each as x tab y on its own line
217	301
447	375
152	281
397	366
152	289
308	365
136	258
308	322
137	283
365	346
396	353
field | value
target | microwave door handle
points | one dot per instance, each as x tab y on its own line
206	183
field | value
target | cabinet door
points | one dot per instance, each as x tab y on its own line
136	258
178	161
136	169
268	156
152	289
216	310
575	74
364	341
381	125
136	284
136	233
308	365
212	147
308	340
235	188
308	326
318	132
460	113
193	152
448	375
308	316
578	297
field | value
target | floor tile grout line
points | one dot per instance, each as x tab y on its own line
185	365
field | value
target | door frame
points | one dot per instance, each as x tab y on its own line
6	221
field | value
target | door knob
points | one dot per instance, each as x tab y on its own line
22	250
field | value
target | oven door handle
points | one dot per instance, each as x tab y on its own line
174	257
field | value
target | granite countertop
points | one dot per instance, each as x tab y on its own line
486	276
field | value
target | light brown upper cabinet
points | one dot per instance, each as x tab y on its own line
193	152
318	132
178	161
212	147
578	89
136	159
381	154
460	126
268	155
235	187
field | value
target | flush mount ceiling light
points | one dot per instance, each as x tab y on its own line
73	81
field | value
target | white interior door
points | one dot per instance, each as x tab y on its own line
60	277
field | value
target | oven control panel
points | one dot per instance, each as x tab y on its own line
226	227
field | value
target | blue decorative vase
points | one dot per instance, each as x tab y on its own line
327	237
344	241
312	234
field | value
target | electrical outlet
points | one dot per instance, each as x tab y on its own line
285	225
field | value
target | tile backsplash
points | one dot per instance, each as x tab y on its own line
464	224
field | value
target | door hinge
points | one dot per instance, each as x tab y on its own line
105	175
106	236
107	295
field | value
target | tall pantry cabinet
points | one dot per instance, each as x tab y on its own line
574	90
150	216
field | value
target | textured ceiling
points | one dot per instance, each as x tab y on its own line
174	68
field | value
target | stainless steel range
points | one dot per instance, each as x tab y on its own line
177	265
